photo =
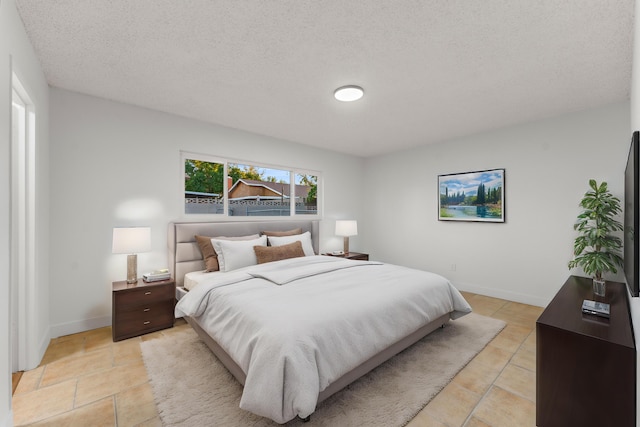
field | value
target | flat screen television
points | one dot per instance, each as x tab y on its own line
631	211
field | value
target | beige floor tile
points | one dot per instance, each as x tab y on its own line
499	408
477	377
511	337
97	414
486	306
519	381
519	309
73	338
62	350
43	403
452	405
99	338
467	295
151	336
519	314
425	420
127	351
105	383
494	357
30	380
73	367
474	422
135	405
525	359
530	343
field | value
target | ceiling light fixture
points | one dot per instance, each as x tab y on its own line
348	93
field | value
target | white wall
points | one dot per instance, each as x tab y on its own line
16	52
548	165
116	165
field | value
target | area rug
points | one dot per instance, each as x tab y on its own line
192	388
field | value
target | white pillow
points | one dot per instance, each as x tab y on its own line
234	254
304	238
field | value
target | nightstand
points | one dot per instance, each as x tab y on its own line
140	308
352	255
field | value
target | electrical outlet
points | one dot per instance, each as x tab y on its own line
453	267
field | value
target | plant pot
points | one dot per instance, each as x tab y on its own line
599	287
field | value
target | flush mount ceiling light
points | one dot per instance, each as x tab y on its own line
348	93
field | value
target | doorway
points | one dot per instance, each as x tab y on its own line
22	222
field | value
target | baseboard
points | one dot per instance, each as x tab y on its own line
44	344
502	294
33	360
62	329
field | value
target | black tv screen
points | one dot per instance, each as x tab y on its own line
631	211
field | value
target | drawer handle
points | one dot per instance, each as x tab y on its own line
148	293
146	309
146	323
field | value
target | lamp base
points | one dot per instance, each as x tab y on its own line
132	269
346	245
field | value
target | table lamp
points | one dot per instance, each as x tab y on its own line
131	240
346	228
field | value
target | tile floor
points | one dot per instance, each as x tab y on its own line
86	379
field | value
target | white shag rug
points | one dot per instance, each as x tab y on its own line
192	388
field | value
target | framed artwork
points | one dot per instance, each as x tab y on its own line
472	196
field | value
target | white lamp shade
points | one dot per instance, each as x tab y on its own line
131	240
347	228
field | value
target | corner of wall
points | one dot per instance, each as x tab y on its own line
62	329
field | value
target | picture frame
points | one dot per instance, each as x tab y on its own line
476	196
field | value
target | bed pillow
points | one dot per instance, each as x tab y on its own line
304	238
234	254
283	233
277	253
209	254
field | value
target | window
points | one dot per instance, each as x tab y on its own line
242	189
306	194
203	187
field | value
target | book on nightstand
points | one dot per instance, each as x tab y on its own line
157	276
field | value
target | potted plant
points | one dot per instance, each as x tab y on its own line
596	250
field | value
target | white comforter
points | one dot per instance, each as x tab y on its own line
295	326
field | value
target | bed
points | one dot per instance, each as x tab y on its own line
295	331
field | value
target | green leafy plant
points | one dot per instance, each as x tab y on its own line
596	250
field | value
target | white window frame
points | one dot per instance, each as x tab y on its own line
184	155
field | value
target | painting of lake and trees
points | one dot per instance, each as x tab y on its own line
472	196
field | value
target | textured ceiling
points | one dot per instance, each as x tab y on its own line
431	69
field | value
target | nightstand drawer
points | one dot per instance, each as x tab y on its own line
144	295
142	319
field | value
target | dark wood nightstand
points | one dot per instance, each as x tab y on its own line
142	307
352	255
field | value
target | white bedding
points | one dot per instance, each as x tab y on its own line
195	277
326	317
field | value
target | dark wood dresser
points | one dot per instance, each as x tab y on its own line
585	365
142	307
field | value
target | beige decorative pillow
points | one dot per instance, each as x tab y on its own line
209	254
283	233
277	253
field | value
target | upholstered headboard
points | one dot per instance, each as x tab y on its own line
185	256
